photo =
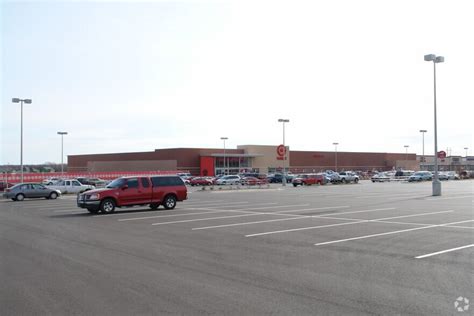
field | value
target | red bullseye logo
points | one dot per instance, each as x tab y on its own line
281	150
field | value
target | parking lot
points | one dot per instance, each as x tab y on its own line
380	248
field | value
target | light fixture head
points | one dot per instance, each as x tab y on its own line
430	57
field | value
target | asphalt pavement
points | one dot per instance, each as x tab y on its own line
352	249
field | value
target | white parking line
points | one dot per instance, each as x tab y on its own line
363	211
393	217
314	209
292	218
205	219
304	228
444	251
178	215
354	221
214	204
250	223
388	233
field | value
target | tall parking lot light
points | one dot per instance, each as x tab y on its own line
21	101
62	151
466	148
436	183
423	131
225	166
406	155
335	156
283	180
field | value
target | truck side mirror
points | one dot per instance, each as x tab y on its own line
125	186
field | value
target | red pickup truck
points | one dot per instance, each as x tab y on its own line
131	191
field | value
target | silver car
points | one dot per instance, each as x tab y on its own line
30	190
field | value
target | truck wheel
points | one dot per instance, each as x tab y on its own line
295	185
154	206
19	197
107	206
170	202
356	180
93	210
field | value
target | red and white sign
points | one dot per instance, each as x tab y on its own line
441	154
281	151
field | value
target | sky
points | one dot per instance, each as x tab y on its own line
137	76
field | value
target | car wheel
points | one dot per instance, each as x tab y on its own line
107	206
13	199
154	206
170	202
19	197
356	180
295	185
53	196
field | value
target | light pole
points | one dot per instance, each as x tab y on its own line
283	180
21	101
423	131
225	167
466	148
436	183
335	156
62	151
406	156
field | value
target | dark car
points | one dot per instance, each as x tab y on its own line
30	190
278	178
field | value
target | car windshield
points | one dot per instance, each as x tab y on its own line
117	183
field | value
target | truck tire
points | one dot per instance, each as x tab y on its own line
356	180
154	206
107	206
169	202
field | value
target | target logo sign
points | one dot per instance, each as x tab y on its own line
281	151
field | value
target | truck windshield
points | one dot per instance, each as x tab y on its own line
117	183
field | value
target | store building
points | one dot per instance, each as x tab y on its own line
245	158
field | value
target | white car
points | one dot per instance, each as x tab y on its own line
381	177
230	179
70	186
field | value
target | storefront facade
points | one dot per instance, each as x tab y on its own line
245	158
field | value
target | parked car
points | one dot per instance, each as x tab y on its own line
97	182
452	175
50	181
230	179
200	181
30	190
348	177
131	191
5	185
278	178
421	176
381	177
253	181
442	176
309	179
332	177
71	186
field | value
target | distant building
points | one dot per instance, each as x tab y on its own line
256	158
